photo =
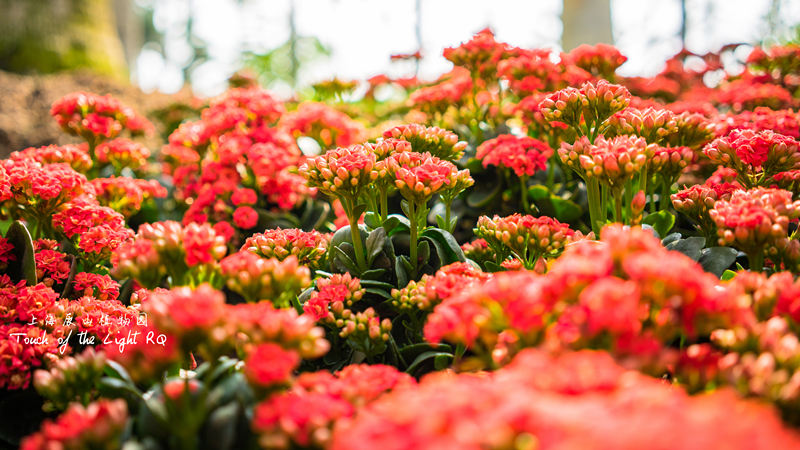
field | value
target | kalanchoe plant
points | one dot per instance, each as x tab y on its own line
438	142
756	157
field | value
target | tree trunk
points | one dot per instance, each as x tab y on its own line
586	22
47	36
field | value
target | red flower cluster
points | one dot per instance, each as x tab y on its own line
99	425
600	60
76	156
324	124
96	118
308	247
578	400
525	156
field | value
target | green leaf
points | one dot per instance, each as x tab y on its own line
440	222
405	207
376	284
378	292
358	210
690	246
423	358
727	275
661	221
670	239
453	252
373	274
538	192
410	352
492	266
343	262
400	271
73	270
372	220
375	242
716	260
315	216
116	388
739	267
566	210
441	362
25	266
423	252
406	263
479	197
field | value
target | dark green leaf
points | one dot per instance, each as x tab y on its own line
359	209
373	274
538	192
453	252
406	263
670	239
716	260
690	246
375	243
400	271
376	284
347	264
25	266
405	207
661	221
423	252
441	362
566	210
372	220
378	292
424	357
410	352
116	388
73	270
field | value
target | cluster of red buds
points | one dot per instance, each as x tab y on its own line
367	332
612	162
654	125
418	176
309	247
70	378
752	220
756	157
527	238
670	162
256	278
343	172
595	104
696	202
525	155
439	142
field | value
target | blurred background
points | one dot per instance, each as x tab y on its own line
131	48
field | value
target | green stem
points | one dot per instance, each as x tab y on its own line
628	200
593	192
447	217
384	203
618	208
414	210
355	232
756	261
652	193
604	204
666	186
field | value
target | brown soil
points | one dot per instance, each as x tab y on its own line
25	106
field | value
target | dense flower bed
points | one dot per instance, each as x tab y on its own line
531	252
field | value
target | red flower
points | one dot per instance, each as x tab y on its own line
300	419
99	425
523	155
202	244
245	217
270	365
17	358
